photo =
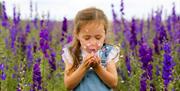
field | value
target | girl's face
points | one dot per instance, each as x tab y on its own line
92	36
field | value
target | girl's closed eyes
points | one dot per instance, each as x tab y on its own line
88	37
98	37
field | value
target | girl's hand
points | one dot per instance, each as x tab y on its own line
96	61
88	61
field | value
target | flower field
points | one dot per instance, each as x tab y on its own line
30	51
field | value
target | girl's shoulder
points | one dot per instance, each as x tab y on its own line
66	56
66	48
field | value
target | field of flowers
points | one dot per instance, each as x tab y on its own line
30	51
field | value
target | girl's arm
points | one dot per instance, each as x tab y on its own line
109	75
73	79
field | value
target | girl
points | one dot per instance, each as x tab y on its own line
90	63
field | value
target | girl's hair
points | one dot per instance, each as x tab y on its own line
82	18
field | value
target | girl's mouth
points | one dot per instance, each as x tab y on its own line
92	50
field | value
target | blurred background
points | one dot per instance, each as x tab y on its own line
61	8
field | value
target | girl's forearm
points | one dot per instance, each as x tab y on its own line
107	77
74	79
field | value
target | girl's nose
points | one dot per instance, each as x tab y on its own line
93	42
92	45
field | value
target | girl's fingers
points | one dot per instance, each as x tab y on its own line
89	57
88	62
91	60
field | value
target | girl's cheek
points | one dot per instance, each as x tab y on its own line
99	45
88	44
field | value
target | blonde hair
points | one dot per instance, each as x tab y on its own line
82	18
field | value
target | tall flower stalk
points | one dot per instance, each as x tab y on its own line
45	46
37	79
168	65
128	65
145	54
116	24
122	8
44	43
133	39
4	22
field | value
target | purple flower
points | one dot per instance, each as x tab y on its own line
168	65
143	84
22	41
14	75
52	61
29	56
18	17
34	47
64	30
167	48
37	79
127	31
116	22
35	21
113	12
162	35
141	26
15	68
42	23
156	45
14	15
145	54
128	65
13	34
64	25
3	76
169	28
4	18
122	7
44	34
28	28
2	67
44	41
133	39
169	23
38	60
158	20
174	14
69	39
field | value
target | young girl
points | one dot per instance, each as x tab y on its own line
90	63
